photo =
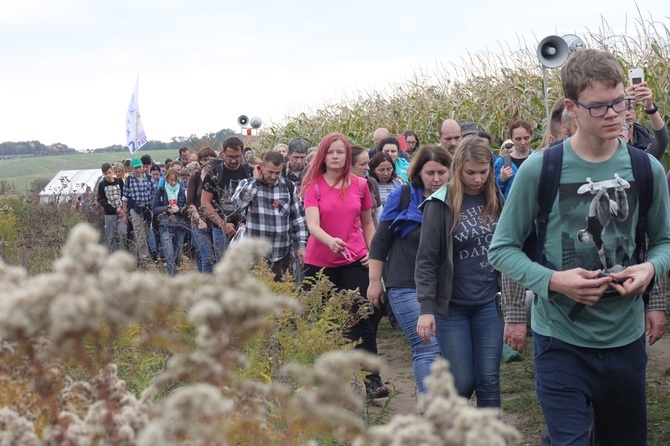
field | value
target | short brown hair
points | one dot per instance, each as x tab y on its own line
273	157
587	66
232	142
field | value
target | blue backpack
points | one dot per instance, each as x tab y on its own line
550	178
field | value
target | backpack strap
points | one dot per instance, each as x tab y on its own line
291	187
547	191
405	196
248	170
644	184
317	191
507	160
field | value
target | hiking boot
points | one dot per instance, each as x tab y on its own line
374	388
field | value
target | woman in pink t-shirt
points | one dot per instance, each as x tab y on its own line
339	217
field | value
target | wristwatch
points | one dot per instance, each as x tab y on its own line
652	110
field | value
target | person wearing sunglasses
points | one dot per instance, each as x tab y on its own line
506	166
338	213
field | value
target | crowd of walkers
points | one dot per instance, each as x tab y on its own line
428	233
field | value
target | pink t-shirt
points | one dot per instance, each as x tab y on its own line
339	217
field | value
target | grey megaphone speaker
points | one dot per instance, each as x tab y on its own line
243	120
552	52
256	122
574	43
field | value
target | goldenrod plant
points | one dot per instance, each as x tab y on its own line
75	317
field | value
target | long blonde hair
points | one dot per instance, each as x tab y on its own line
476	150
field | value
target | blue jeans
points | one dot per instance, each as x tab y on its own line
220	242
471	339
172	239
582	389
203	244
406	309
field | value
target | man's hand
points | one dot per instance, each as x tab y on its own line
515	336
301	255
655	325
635	279
580	285
229	229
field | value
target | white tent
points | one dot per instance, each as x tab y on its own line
67	184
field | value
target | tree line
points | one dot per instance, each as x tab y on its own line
36	148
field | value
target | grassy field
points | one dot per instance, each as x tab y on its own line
23	171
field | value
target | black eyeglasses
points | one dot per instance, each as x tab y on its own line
600	110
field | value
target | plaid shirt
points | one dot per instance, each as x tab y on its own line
139	192
272	213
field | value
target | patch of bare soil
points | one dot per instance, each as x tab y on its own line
659	357
398	374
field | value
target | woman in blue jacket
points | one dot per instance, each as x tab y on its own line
507	165
394	247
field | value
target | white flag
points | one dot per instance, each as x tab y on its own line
135	136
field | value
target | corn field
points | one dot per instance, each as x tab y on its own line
490	89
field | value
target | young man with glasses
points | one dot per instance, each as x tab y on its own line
590	371
217	194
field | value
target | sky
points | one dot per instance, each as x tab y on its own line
68	67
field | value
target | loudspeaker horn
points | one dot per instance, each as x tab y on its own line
243	120
255	122
574	43
553	51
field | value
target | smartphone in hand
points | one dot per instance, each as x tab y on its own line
636	76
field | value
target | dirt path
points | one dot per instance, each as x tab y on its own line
394	349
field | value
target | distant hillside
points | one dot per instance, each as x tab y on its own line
11	149
22	171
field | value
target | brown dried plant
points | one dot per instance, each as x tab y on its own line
203	396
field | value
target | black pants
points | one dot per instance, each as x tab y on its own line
350	277
280	267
